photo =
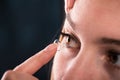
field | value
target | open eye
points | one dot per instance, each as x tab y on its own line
114	57
69	41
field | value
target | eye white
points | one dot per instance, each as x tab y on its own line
118	60
71	42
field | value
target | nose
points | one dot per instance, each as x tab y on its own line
86	66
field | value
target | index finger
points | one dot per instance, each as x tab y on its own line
35	62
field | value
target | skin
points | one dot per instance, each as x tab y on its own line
95	27
26	70
90	21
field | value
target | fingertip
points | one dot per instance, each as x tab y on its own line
35	62
51	47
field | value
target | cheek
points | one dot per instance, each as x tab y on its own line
60	63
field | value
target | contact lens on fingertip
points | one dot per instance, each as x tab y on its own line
56	41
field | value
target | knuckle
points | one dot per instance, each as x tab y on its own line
8	75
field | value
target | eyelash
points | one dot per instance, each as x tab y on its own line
66	34
112	58
70	38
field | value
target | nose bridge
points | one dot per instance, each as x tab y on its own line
85	58
82	67
84	62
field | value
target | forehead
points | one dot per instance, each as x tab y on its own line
99	2
96	8
99	18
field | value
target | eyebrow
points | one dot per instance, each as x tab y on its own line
110	41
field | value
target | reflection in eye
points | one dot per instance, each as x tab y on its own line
69	41
114	57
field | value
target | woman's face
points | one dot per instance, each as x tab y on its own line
89	47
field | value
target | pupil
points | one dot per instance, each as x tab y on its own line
113	58
68	38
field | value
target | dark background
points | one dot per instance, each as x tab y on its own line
26	27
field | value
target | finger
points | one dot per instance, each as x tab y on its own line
12	75
35	62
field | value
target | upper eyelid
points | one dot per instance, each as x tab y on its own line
113	51
67	34
70	35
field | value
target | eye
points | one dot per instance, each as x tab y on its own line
69	41
114	57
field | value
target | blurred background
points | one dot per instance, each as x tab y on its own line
26	27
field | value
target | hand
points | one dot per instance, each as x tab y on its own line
25	70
